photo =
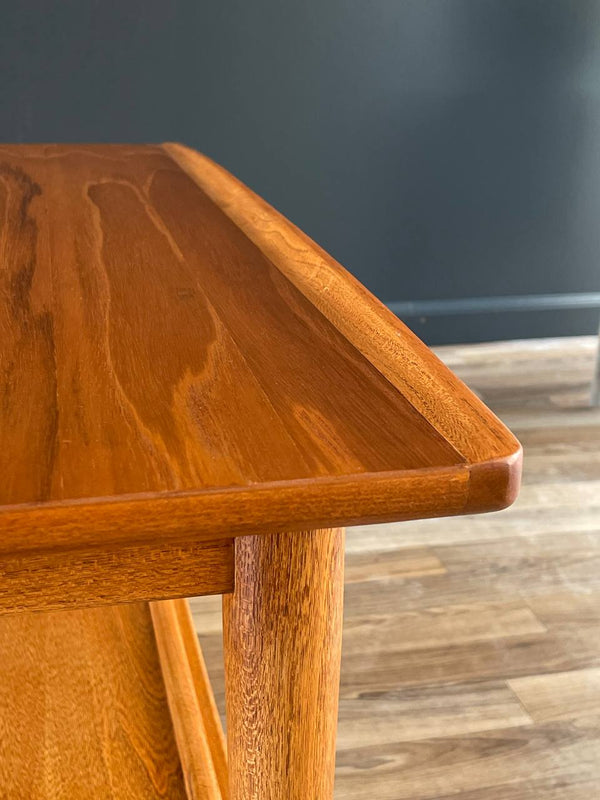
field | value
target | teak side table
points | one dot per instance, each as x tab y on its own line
193	397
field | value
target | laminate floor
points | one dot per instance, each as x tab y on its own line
471	660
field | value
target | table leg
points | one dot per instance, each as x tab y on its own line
283	631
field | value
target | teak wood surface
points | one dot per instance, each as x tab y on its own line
83	708
282	640
194	713
177	360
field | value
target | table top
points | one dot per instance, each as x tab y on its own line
175	356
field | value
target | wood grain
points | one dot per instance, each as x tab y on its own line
54	579
196	722
210	516
561	695
406	563
373	329
165	369
83	711
282	633
443	767
413	715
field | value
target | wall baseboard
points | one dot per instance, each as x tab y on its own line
485	305
484	319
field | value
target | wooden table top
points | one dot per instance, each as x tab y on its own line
175	356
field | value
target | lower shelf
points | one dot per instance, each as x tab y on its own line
111	702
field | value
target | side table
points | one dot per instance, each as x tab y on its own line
194	397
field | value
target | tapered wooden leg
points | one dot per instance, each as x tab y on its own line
283	631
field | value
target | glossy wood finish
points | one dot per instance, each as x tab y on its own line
196	722
176	358
282	636
486	446
53	579
83	710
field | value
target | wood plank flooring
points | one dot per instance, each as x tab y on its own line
471	666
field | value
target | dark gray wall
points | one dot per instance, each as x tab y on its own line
438	148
